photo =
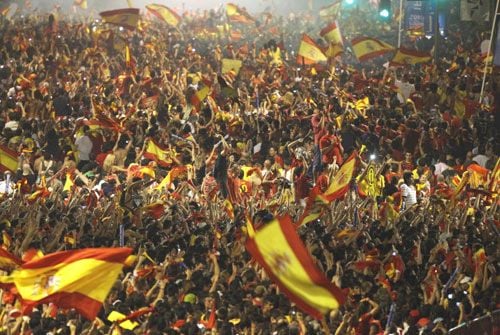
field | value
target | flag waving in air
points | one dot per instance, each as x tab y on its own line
79	279
237	14
165	14
332	34
406	57
340	182
310	52
278	249
126	18
331	10
366	48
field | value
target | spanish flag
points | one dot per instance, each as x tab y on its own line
278	249
332	34
237	14
366	48
126	17
342	179
8	261
478	175
410	57
165	14
8	159
310	52
81	3
79	279
160	155
200	95
334	50
229	209
331	10
173	174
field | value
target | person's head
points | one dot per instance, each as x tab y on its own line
408	178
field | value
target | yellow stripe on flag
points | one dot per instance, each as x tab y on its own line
278	248
127	17
79	279
410	57
8	159
309	52
165	14
366	48
342	179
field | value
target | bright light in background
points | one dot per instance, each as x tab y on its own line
349	2
384	13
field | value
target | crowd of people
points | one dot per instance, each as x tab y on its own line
413	251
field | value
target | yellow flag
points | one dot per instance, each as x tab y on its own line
231	64
309	52
366	48
405	57
79	279
165	14
126	18
279	250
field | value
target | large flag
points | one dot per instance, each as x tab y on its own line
278	249
332	34
366	48
79	279
8	159
330	11
406	56
310	52
474	10
237	14
8	261
165	14
160	155
126	17
342	179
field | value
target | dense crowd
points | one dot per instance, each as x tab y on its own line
407	249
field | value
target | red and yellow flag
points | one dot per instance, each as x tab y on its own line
8	261
340	182
200	95
331	10
79	279
278	249
229	209
410	57
165	14
160	155
332	34
126	17
237	14
310	52
8	159
366	48
81	3
478	176
173	174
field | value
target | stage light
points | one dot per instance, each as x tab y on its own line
384	8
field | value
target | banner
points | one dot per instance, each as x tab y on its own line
419	16
475	10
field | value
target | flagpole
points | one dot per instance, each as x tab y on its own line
400	22
488	53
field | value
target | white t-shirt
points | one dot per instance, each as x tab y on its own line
410	193
84	146
405	90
